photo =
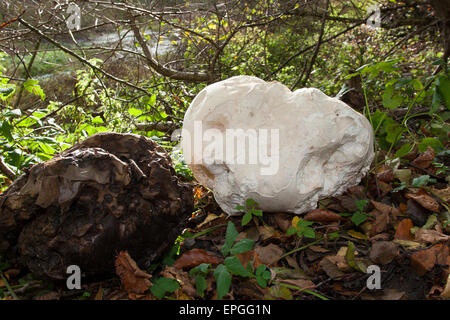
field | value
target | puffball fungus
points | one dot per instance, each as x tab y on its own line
247	138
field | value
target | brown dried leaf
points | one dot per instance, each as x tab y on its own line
430	236
423	260
302	283
425	200
425	159
330	268
133	279
403	231
381	222
269	254
194	257
249	256
444	194
384	173
322	215
184	280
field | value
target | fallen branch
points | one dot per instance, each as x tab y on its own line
6	170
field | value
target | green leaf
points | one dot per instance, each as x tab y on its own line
163	285
6	91
251	203
262	276
235	266
246	218
33	87
350	257
390	99
230	236
361	204
421	181
443	87
135	112
256	212
432	142
291	231
309	233
223	280
242	246
5	130
200	284
201	268
358	218
404	150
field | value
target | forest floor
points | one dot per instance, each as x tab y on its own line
386	239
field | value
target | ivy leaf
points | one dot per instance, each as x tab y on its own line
163	285
223	280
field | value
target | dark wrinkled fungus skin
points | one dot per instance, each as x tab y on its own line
109	193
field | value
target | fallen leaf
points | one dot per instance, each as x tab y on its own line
423	261
446	292
384	208
425	159
403	231
278	291
430	236
330	268
392	294
444	194
288	273
99	294
384	173
383	252
210	217
381	222
133	279
194	257
318	249
301	283
404	175
322	215
269	254
425	200
267	232
417	213
249	256
409	244
183	279
282	220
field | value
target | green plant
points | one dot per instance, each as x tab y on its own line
302	228
161	286
359	216
249	211
231	266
